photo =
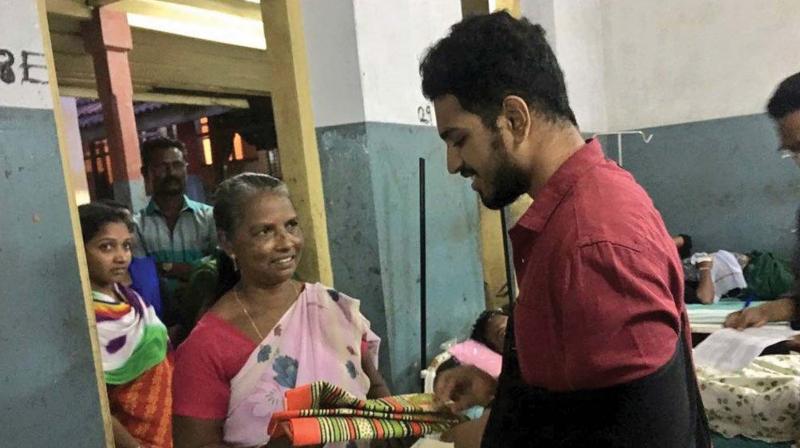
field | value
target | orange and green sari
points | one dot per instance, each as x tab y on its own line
138	373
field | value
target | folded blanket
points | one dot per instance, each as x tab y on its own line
321	413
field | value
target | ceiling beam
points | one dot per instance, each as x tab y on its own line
237	8
213	20
98	3
188	98
161	62
68	8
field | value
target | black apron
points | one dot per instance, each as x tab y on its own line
663	409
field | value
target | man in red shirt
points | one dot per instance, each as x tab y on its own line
597	351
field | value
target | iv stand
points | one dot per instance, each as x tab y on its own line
645	137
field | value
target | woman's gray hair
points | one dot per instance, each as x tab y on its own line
232	196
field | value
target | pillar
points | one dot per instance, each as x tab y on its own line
72	137
108	39
294	123
372	126
51	383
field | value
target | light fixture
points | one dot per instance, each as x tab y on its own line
195	22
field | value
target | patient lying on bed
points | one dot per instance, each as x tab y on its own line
483	349
711	276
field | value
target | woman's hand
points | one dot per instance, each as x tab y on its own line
750	317
774	311
377	385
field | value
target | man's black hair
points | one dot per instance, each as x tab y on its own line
486	58
150	146
480	326
786	98
686	250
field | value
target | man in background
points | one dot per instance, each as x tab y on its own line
784	109
173	229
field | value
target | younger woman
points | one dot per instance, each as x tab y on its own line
133	341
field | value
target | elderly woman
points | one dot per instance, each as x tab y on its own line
133	341
269	333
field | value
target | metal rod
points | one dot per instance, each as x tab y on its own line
645	138
423	293
508	258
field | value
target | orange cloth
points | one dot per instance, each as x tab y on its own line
144	406
320	413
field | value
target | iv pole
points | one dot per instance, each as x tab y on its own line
645	137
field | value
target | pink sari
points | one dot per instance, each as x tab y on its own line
318	339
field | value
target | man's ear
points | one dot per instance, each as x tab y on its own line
517	117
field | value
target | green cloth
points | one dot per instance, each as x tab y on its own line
768	277
743	442
151	350
200	290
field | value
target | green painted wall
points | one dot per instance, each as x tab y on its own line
721	181
370	176
48	391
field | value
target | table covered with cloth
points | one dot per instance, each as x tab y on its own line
320	413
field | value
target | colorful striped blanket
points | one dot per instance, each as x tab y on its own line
320	413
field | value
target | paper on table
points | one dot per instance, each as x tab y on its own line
728	349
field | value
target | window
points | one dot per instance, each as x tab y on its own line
208	152
208	155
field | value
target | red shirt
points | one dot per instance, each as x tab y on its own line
601	285
205	364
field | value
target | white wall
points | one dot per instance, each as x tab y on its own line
541	12
673	62
579	48
15	90
334	72
684	60
628	63
392	38
364	57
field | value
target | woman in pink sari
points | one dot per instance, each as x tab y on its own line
269	333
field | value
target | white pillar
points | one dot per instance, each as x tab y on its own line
72	138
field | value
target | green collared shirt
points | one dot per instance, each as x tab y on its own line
194	236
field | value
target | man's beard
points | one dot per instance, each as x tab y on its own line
508	182
171	186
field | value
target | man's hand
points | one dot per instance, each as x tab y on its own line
180	271
467	434
750	317
793	345
462	387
